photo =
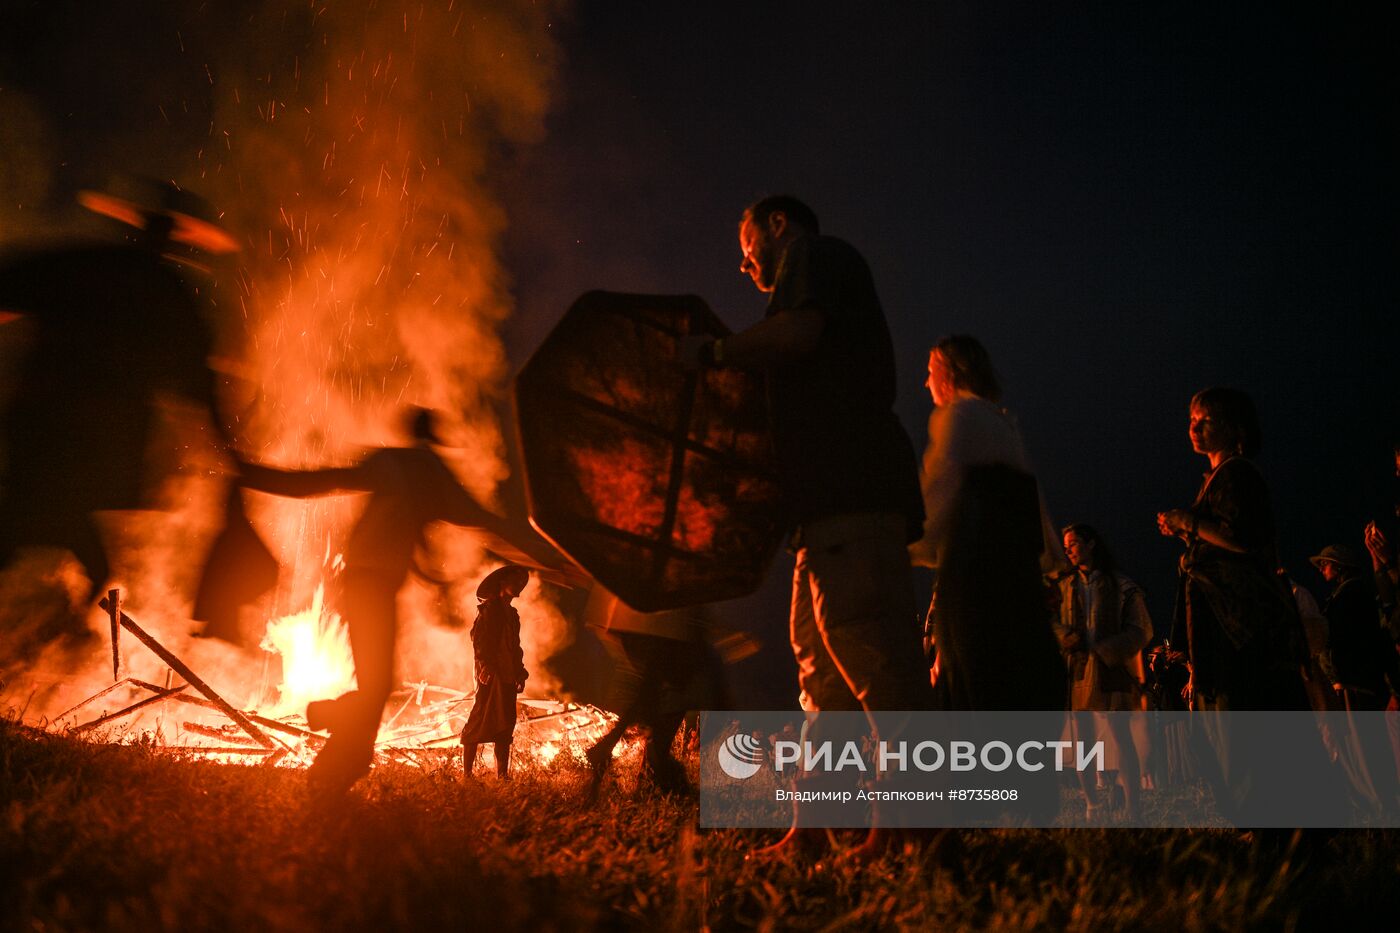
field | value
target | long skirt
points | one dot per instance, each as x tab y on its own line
992	624
492	718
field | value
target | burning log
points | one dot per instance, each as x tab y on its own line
102	693
418	757
115	598
215	732
102	720
272	753
441	740
311	738
399	712
406	735
184	671
144	685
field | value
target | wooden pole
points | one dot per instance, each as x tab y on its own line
312	738
101	720
190	676
102	693
114	597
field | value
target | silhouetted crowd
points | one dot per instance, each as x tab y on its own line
1023	617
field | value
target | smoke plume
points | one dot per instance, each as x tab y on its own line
350	147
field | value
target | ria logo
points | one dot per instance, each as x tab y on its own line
740	756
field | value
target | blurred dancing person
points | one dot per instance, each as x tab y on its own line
114	330
665	666
991	542
988	536
410	487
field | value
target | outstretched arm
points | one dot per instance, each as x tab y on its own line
302	484
512	541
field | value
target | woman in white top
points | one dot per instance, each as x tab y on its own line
989	539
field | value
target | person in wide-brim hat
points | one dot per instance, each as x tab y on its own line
494	585
500	668
177	215
1338	554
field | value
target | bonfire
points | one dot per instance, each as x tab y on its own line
421	724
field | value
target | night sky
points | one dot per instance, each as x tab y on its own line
1126	203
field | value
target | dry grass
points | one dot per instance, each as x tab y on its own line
125	837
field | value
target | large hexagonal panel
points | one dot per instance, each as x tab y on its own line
657	480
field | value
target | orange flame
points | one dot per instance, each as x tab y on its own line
314	645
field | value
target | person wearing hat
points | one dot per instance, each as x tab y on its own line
1359	660
113	328
500	668
163	218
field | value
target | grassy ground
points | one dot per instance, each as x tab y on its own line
125	837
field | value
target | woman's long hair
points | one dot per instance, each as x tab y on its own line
970	365
1104	561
